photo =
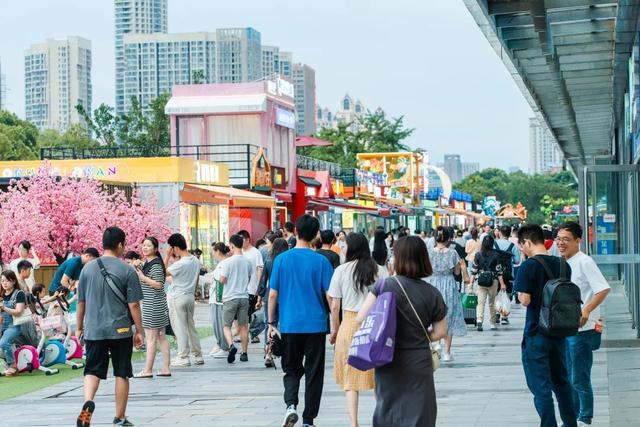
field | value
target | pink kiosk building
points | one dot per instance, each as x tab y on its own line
251	128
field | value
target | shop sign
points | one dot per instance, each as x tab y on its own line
280	87
261	172
277	178
608	218
285	118
347	219
207	173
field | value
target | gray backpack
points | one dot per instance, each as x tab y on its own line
561	303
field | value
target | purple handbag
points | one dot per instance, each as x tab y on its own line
373	343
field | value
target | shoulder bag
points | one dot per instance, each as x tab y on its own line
23	318
435	356
114	288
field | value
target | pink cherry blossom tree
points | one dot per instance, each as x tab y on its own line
62	215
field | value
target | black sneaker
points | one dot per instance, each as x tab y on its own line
231	357
117	422
84	419
244	357
504	321
479	327
268	362
497	318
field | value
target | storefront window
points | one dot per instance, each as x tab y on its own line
208	230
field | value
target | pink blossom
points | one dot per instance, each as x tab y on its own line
62	215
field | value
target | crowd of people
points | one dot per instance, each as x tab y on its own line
301	286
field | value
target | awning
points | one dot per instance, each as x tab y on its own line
310	181
342	204
216	104
283	197
238	198
309	141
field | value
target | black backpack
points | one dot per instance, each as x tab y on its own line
561	303
486	273
505	259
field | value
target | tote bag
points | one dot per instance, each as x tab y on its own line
373	344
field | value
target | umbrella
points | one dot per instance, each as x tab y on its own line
309	141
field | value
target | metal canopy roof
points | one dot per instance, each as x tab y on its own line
569	58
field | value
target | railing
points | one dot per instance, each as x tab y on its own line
237	157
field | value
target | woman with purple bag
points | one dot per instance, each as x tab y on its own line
405	389
349	286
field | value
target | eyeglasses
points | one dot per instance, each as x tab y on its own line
564	240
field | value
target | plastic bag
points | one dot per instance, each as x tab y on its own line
503	303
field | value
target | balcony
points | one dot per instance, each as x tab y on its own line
237	156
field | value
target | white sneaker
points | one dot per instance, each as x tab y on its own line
447	357
583	424
493	327
221	354
214	350
290	417
199	360
179	362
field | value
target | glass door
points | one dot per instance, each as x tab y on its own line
610	215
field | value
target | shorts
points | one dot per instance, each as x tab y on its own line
99	353
235	308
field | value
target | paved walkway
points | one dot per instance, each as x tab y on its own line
484	386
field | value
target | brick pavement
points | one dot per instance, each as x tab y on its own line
483	386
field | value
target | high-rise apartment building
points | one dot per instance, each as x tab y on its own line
453	167
57	77
156	62
137	17
304	83
544	156
350	112
286	65
238	55
469	168
270	60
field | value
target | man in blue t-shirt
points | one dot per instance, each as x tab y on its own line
69	271
543	357
299	281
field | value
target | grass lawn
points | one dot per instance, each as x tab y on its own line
26	383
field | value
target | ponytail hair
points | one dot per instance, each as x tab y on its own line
221	247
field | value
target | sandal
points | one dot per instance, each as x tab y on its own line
160	374
142	374
10	372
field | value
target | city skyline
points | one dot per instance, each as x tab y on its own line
446	105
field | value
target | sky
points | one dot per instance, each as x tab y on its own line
424	60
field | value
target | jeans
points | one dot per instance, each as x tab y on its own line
545	368
303	354
580	350
8	337
181	311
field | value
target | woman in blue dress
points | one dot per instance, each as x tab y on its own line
446	263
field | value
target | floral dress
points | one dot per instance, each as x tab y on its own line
443	262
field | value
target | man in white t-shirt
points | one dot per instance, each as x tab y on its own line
235	274
183	270
593	289
255	302
24	249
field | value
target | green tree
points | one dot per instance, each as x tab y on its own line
104	123
376	134
198	77
15	143
540	194
146	129
76	137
